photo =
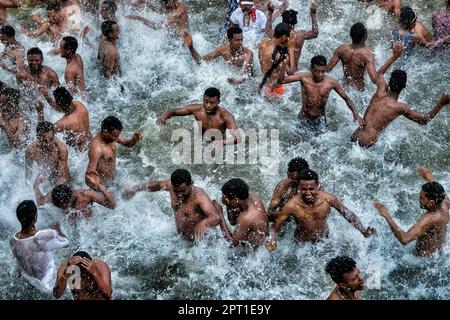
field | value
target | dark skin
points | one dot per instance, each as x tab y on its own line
95	282
5	4
109	53
385	108
265	52
211	116
391	6
316	88
13	122
54	26
350	287
430	231
74	72
357	59
193	210
284	191
233	52
14	52
249	217
311	209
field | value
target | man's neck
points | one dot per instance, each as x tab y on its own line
26	233
394	95
346	294
358	45
111	40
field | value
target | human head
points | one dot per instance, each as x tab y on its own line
35	59
290	17
9	100
111	129
281	33
432	195
309	186
68	46
45	134
27	214
246	6
64	99
7	34
318	68
408	18
108	9
182	183
295	166
234	192
398	80
110	29
82	254
358	33
61	196
168	4
235	38
53	9
211	100
345	274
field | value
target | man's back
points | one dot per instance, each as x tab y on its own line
354	62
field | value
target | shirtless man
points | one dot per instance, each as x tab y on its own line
75	123
273	56
90	279
108	50
177	20
37	76
431	229
193	209
102	153
385	108
74	72
296	38
287	188
356	58
391	6
49	154
210	116
346	275
75	203
246	212
316	88
13	51
5	4
233	52
13	121
311	209
55	25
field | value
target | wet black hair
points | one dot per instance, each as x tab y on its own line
26	213
44	126
308	174
180	176
70	43
236	188
282	29
290	17
407	17
53	6
82	254
110	123
34	50
212	92
12	95
339	266
111	5
434	191
358	32
297	165
232	31
319	61
398	80
8	31
107	27
63	98
61	195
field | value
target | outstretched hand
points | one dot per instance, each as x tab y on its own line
397	49
369	232
313	9
445	99
425	173
381	209
270	7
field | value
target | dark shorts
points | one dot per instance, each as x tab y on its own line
307	127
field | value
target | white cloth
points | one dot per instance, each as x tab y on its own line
237	17
35	257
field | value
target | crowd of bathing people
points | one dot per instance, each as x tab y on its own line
300	195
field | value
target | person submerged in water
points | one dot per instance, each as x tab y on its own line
384	108
233	52
349	283
90	279
108	52
193	210
13	52
431	229
311	208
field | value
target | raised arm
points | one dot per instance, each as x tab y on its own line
413	233
103	198
425	173
129	143
356	117
397	51
101	274
275	201
9	3
268	28
424	119
149	186
145	21
185	111
36	34
314	32
295	77
63	168
61	281
334	59
350	216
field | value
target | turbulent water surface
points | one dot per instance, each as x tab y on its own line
138	239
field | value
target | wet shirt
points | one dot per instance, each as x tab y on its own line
441	26
407	40
257	26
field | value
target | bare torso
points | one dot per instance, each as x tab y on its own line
265	58
354	62
16	128
106	167
48	160
433	239
74	75
75	126
178	20
314	97
214	121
